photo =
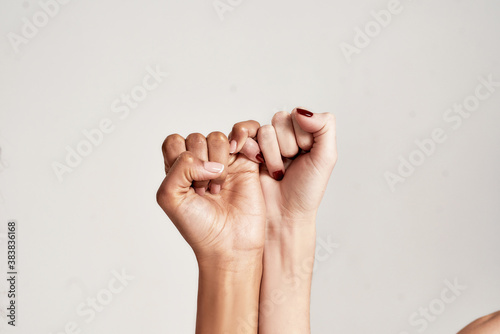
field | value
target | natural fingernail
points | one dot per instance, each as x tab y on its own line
304	112
232	146
259	158
213	167
215	188
278	175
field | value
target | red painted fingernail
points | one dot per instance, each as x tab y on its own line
259	158
304	112
278	175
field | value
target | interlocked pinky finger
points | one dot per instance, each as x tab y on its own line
304	139
283	125
268	143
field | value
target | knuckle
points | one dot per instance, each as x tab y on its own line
239	128
217	137
196	139
245	127
254	124
330	118
186	157
172	140
279	117
165	198
160	195
267	131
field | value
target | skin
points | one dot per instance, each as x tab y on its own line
489	324
253	230
291	207
225	227
229	214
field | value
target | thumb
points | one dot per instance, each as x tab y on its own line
177	184
322	127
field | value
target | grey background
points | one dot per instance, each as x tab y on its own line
395	248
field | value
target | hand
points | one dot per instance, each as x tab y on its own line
226	223
225	227
299	150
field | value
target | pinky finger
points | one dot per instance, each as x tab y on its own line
304	139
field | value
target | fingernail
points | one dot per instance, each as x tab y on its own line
259	158
200	191
215	188
232	146
213	167
304	112
278	175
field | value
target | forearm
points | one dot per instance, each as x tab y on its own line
286	281
228	297
489	324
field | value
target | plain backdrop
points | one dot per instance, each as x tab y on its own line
395	248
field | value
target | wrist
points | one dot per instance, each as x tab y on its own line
290	210
228	297
298	235
291	221
231	263
290	250
286	286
